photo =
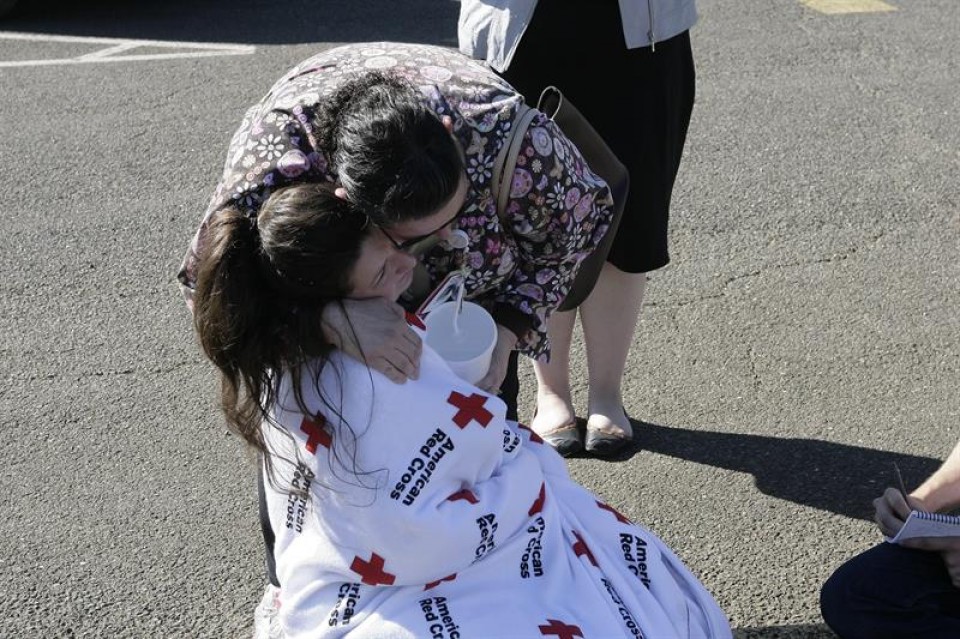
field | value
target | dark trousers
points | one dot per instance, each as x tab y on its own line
892	592
510	387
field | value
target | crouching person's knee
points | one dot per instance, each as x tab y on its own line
885	592
841	602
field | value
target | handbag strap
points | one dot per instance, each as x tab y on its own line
506	160
550	101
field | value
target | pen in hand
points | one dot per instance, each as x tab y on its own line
901	486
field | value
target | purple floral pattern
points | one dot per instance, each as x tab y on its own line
558	209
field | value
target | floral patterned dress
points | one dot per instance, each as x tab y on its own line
521	264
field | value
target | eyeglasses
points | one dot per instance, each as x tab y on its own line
421	243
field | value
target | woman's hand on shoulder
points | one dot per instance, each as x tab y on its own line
375	331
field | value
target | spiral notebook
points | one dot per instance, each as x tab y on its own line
924	524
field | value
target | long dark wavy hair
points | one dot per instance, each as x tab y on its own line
388	148
262	285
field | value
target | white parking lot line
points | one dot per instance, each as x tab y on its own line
117	46
849	6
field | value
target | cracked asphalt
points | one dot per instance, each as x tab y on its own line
804	336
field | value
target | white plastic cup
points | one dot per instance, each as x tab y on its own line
468	350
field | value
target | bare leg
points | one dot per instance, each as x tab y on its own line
609	318
554	400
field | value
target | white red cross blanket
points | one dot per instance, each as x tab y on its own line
425	513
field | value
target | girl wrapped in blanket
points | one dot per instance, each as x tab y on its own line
413	510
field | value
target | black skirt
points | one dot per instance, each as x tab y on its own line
643	113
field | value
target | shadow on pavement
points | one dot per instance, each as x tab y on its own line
834	477
243	21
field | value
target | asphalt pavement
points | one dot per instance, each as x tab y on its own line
804	337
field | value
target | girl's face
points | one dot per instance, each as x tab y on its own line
381	270
388	257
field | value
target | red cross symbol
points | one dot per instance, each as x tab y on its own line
434	584
470	409
580	548
413	320
533	436
538	502
620	518
372	572
562	630
463	494
316	434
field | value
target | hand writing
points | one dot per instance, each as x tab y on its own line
892	509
